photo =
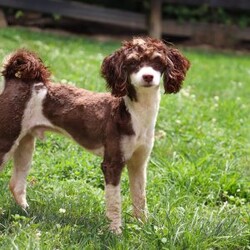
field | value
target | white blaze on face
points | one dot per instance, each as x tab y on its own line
146	77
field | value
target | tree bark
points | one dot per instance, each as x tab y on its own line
3	22
155	19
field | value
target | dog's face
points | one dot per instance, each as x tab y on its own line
144	71
145	77
140	63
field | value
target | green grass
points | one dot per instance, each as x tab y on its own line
198	176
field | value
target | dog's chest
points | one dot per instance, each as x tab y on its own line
143	121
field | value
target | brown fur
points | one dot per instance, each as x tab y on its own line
175	72
71	109
12	104
66	107
133	54
97	121
22	68
26	65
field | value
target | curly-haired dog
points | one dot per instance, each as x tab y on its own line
117	126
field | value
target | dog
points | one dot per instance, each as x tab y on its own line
119	126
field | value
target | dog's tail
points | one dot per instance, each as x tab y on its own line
25	65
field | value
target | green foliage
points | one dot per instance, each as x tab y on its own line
182	12
198	176
204	13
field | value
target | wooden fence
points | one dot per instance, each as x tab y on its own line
200	32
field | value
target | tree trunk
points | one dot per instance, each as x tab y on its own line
155	19
3	22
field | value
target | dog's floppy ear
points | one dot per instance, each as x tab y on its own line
113	72
177	66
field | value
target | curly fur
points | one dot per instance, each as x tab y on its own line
117	67
25	65
117	126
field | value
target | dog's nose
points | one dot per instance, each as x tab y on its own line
147	78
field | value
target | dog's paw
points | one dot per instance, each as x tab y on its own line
141	215
25	210
24	205
21	201
115	229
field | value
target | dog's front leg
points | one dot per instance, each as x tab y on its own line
137	167
22	163
112	172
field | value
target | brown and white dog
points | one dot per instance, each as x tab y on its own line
117	126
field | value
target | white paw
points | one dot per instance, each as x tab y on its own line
116	229
141	215
22	202
24	205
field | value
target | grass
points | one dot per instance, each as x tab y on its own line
198	175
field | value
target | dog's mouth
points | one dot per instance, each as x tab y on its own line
148	84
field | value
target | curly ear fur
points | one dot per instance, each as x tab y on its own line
25	65
113	72
175	73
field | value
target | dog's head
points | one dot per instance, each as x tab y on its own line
140	63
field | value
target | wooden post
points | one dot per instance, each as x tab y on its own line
3	22
155	19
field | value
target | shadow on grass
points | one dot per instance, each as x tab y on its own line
65	229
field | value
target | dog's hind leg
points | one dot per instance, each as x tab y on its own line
22	162
4	157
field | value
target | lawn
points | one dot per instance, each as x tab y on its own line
198	176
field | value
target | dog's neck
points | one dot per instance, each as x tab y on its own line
146	107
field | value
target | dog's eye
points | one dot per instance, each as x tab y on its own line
132	63
158	64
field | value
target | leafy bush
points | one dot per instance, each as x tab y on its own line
200	13
204	13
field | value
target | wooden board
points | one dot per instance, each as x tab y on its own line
81	11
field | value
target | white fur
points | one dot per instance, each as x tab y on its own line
113	207
156	54
136	149
23	153
143	112
33	115
137	180
137	77
22	163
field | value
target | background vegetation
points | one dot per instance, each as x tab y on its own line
198	175
182	12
